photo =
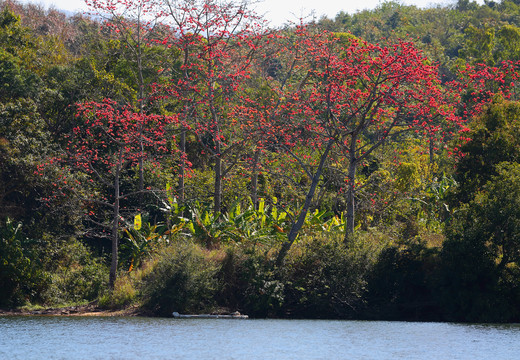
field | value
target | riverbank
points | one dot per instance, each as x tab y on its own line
80	310
94	310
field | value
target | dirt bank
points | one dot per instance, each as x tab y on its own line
83	310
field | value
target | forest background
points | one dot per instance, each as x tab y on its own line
182	156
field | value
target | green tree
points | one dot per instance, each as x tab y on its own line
479	44
21	278
508	47
482	254
23	135
495	138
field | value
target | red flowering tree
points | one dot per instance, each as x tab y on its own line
476	85
216	41
106	144
349	97
136	27
365	95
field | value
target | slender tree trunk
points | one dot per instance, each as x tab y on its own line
183	133
352	167
293	233
115	223
141	172
432	152
139	59
183	165
217	194
254	179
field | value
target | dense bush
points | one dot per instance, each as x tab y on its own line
76	275
468	288
183	280
402	284
322	278
481	256
50	271
325	278
249	283
21	275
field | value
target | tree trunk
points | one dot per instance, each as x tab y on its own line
183	166
293	233
432	152
254	179
141	173
217	194
115	224
141	109
349	230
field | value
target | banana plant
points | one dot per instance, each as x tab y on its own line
204	225
139	244
266	224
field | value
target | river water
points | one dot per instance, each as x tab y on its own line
34	337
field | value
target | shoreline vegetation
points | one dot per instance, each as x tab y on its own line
180	156
80	310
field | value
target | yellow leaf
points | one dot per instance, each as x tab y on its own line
137	222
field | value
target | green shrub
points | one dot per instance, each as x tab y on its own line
325	278
183	280
249	282
21	276
127	287
123	294
76	276
402	284
481	257
469	284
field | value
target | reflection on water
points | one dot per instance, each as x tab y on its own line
160	338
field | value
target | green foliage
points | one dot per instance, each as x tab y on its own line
326	278
407	177
266	224
509	42
402	284
497	211
479	44
468	282
205	226
125	292
75	274
182	280
477	32
21	276
15	81
137	245
321	278
24	132
249	282
494	140
14	38
481	257
396	267
123	295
